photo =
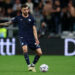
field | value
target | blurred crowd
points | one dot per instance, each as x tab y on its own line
52	16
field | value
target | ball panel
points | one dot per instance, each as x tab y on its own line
44	68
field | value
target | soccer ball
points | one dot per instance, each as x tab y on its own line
44	68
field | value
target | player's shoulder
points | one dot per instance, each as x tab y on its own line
31	16
16	18
20	16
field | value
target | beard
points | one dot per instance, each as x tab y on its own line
25	14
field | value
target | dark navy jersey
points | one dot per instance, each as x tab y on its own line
25	26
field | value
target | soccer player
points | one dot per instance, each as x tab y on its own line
27	35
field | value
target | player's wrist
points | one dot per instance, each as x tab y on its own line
36	39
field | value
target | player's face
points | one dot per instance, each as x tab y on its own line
25	11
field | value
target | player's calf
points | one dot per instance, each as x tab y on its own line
26	56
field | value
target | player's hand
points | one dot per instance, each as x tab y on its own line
37	42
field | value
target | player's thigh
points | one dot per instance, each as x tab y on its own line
25	48
39	51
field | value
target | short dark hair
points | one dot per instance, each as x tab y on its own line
24	6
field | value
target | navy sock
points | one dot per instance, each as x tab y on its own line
36	59
26	58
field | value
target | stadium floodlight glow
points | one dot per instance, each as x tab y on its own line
7	44
67	47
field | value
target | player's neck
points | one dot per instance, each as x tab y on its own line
25	15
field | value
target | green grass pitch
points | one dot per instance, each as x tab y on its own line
58	65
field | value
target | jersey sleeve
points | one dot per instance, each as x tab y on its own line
14	20
34	22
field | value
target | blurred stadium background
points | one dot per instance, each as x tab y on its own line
55	23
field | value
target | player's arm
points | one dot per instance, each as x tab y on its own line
35	34
6	23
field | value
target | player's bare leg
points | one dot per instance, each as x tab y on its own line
39	53
25	51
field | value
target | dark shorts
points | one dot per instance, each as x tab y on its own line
29	42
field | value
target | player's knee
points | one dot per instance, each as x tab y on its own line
40	53
25	51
